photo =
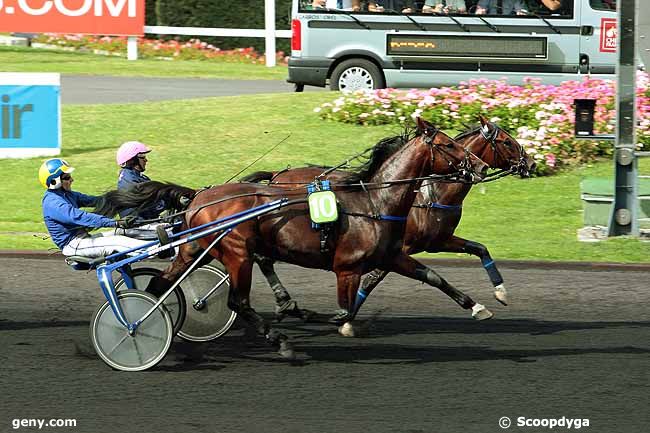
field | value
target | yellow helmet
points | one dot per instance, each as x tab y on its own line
50	172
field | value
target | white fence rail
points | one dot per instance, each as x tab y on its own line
269	34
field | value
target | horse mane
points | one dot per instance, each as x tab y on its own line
257	177
140	196
471	131
380	153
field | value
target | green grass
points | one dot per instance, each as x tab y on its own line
21	59
206	141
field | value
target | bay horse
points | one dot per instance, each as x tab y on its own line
373	204
435	214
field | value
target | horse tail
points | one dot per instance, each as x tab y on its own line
258	176
142	196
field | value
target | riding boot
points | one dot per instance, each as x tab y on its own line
163	238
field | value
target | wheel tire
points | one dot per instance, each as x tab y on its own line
215	318
146	347
356	74
175	303
298	88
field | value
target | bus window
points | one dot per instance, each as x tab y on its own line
603	5
563	8
522	7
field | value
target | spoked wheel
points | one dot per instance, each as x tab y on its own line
175	302
212	318
146	346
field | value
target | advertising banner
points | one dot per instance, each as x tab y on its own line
99	17
608	35
30	115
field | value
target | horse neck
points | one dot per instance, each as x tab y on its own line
449	194
407	163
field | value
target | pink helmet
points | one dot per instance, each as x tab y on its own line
129	150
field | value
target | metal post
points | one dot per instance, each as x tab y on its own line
132	48
624	220
269	26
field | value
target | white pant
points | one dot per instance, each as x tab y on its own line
146	232
100	245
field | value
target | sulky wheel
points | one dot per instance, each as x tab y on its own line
137	351
175	302
211	319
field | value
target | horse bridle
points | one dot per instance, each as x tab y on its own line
490	131
464	168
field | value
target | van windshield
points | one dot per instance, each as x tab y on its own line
501	8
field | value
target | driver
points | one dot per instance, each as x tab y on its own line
68	225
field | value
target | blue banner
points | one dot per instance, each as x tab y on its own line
29	120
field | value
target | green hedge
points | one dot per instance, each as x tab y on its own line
150	13
236	14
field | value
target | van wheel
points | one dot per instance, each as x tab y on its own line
356	74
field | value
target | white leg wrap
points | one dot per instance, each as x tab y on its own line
479	312
501	294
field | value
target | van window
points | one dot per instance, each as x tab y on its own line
603	5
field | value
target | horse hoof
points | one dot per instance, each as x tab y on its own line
479	312
347	330
286	351
501	294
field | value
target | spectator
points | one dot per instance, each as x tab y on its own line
403	6
345	5
444	6
550	7
501	7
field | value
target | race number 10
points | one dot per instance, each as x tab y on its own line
323	207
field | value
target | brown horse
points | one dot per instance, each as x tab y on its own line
373	205
435	215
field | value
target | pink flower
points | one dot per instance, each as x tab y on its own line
550	159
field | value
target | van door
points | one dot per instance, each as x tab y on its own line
599	37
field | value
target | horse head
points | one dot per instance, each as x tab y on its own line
501	150
448	155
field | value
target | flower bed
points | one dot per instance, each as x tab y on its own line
541	117
193	49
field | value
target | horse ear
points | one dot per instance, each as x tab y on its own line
421	124
424	127
485	123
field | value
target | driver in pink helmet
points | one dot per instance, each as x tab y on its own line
132	157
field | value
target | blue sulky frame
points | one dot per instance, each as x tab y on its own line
121	261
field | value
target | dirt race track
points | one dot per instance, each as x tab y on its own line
573	343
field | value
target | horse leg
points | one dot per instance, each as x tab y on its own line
409	267
347	283
459	245
240	270
186	255
284	305
370	281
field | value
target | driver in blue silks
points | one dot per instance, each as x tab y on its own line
68	225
